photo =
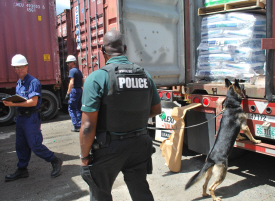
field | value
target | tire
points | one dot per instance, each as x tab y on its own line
7	115
49	105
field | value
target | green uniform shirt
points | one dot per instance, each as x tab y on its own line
96	87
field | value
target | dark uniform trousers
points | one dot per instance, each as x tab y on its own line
130	156
74	106
29	138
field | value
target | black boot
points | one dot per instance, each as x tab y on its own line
75	129
56	163
19	173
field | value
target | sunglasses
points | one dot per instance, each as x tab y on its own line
19	67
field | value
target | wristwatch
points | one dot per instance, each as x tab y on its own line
85	158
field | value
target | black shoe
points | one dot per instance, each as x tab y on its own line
19	173
56	163
75	130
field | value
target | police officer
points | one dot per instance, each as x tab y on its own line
117	101
28	134
74	93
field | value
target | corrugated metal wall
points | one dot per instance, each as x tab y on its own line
65	40
88	30
29	28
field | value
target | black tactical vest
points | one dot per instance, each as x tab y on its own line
128	103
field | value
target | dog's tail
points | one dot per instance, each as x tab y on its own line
198	175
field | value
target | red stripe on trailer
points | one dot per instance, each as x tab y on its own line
255	148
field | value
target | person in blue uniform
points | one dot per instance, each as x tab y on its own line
74	93
28	123
117	102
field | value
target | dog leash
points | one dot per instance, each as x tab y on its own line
190	126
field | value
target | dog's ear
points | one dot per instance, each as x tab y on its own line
227	83
237	83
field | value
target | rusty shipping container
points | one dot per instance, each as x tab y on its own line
65	41
29	28
89	23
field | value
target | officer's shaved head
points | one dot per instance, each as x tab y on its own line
113	42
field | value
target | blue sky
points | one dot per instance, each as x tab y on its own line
61	5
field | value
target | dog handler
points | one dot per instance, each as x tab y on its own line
117	101
28	134
74	93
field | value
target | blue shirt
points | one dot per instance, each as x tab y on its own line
78	76
28	88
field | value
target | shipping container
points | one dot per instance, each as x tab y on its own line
163	37
65	41
29	28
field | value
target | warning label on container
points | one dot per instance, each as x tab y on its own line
39	18
47	57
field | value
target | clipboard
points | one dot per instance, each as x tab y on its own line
15	99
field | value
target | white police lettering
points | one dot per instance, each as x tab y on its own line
130	82
125	71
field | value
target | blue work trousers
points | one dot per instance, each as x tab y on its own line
29	138
75	106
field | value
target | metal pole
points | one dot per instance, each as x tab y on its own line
96	34
85	38
62	41
90	35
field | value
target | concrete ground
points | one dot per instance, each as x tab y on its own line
251	177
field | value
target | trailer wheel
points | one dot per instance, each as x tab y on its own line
6	115
49	104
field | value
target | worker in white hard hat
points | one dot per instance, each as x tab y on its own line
28	122
74	93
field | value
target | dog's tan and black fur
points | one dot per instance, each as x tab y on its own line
232	121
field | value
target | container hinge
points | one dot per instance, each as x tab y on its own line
214	89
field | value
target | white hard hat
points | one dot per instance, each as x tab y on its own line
71	58
19	60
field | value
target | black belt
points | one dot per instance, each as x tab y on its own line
26	112
128	135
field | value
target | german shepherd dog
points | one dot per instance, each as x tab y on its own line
233	119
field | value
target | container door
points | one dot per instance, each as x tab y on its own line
29	28
154	35
269	45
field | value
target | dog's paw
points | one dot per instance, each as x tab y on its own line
217	199
205	194
239	137
257	141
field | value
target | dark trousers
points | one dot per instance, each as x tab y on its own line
130	156
74	106
29	138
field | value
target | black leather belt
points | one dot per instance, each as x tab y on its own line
128	135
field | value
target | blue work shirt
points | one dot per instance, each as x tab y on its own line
28	88
78	76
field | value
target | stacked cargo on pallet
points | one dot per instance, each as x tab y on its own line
231	47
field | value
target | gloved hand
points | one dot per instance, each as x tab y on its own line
67	97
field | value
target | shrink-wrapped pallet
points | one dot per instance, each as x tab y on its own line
231	47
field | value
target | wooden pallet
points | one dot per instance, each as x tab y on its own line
233	6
